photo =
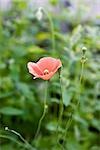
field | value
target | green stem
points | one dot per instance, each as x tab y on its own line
44	111
52	29
78	99
67	127
12	139
80	82
20	136
81	75
61	107
17	142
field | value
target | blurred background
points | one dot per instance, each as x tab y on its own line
24	38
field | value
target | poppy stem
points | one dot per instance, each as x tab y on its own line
52	29
28	145
61	107
44	111
83	60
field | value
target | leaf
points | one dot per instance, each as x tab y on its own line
11	111
36	49
66	97
72	143
43	36
24	89
76	36
52	126
6	94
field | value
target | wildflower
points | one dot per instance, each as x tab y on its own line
45	68
39	14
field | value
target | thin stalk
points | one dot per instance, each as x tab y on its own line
44	111
52	29
61	108
20	136
80	83
81	75
71	117
83	60
12	139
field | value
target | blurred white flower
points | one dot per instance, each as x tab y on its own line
39	13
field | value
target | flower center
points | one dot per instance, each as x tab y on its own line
46	71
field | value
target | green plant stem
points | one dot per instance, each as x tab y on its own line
12	139
52	29
44	111
78	101
80	82
61	108
20	136
17	142
81	76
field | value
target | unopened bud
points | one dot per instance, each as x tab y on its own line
83	59
39	14
84	49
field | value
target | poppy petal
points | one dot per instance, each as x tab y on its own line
45	68
57	65
46	63
34	69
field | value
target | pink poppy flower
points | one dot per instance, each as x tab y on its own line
45	68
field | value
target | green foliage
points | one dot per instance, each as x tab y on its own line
10	111
22	39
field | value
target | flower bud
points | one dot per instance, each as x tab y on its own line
84	49
39	14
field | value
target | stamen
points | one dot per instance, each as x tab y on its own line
46	71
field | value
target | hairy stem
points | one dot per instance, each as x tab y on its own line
20	136
12	139
44	111
83	60
52	29
61	108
